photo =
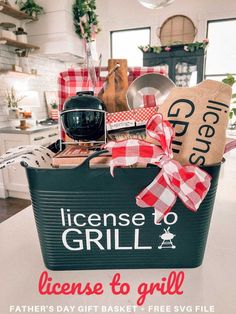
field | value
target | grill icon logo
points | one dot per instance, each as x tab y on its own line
167	238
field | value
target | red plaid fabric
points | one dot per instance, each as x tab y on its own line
230	146
142	115
132	117
135	72
189	183
74	80
120	116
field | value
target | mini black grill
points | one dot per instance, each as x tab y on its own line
83	117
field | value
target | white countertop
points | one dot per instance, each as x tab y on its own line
31	130
212	284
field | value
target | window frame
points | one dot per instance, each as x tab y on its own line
125	30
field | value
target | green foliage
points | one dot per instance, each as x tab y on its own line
11	98
188	47
230	80
196	46
30	7
148	48
85	19
54	105
232	113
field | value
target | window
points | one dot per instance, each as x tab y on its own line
221	56
124	44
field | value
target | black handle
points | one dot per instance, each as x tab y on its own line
39	138
85	163
53	134
89	92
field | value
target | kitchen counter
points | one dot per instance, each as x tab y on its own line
212	284
31	130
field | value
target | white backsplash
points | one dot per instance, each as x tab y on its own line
46	80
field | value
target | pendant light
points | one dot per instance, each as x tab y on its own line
155	4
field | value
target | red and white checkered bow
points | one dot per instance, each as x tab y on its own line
189	183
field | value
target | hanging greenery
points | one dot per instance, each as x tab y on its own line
85	19
187	47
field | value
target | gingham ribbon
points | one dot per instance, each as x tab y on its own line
189	183
230	146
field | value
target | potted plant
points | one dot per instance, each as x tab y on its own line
12	101
30	7
54	111
230	80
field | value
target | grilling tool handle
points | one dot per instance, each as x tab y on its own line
104	86
85	163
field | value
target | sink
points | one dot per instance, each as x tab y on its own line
48	122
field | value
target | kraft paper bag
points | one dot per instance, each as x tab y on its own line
200	116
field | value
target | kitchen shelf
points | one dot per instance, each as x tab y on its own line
10	11
16	73
14	43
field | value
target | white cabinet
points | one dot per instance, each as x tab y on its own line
13	181
44	138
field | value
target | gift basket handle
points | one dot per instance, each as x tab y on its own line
85	163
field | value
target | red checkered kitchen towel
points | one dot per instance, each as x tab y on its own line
189	183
